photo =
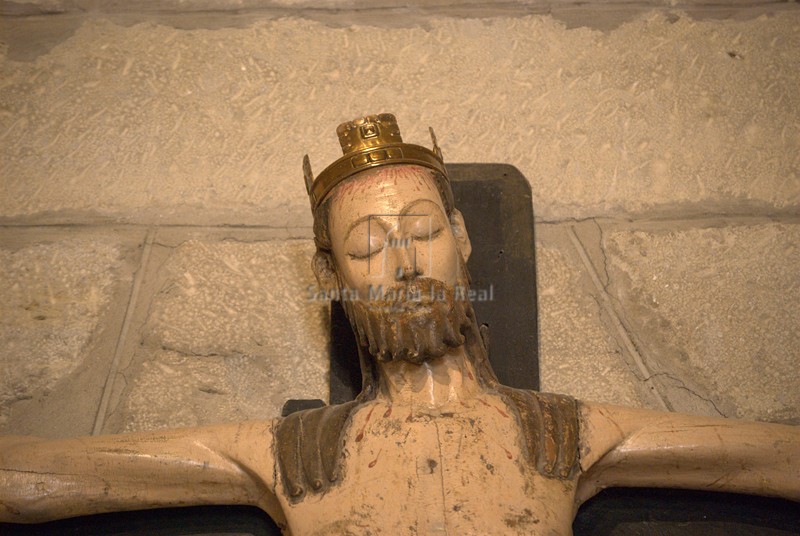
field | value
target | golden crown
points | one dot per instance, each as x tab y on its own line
370	142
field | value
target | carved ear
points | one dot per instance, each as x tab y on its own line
460	232
322	264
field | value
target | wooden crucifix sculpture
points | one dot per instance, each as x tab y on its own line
434	444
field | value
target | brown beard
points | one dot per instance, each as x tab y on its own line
416	322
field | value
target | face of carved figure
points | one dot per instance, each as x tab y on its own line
388	226
398	258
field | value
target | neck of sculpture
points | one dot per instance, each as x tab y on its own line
437	385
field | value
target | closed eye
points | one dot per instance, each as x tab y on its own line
424	226
427	234
365	255
365	240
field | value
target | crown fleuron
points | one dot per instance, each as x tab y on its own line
367	132
369	142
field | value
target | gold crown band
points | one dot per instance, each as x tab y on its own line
370	142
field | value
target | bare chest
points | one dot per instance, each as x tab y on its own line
462	473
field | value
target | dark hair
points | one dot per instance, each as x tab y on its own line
322	237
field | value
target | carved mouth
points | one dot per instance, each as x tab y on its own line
417	296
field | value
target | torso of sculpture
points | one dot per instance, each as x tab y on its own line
457	473
434	444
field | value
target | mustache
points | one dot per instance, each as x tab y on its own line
420	291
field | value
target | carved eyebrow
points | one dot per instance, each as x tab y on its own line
362	219
378	218
409	207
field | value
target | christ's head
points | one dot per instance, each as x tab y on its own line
391	243
388	243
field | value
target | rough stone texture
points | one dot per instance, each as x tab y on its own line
151	123
578	355
575	11
159	123
717	306
55	301
231	335
172	390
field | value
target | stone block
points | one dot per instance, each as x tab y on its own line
227	332
64	298
183	122
713	307
579	354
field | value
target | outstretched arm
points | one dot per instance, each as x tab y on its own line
42	479
637	448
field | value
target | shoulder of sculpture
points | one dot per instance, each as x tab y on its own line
308	447
550	430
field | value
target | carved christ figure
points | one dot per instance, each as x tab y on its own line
433	444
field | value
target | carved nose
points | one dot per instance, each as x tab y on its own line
405	272
407	267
